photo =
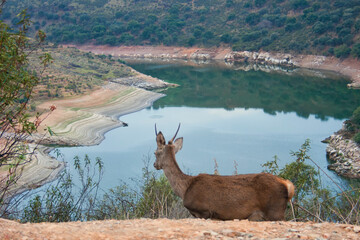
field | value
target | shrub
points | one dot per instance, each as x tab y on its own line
253	18
299	4
266	41
226	38
311	200
67	202
357	137
342	51
319	28
17	83
355	51
247	37
60	203
355	118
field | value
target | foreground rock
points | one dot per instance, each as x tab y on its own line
345	155
177	229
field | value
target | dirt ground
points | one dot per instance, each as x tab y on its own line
177	229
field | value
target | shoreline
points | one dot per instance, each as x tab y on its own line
83	121
348	67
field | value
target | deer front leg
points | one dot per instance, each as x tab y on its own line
257	216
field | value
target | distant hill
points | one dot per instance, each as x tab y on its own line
329	27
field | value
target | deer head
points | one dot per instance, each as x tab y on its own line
166	152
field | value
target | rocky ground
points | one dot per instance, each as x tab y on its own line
344	154
177	229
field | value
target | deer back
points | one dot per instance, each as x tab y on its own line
238	197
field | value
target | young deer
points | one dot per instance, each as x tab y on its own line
248	196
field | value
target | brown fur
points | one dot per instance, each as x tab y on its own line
256	197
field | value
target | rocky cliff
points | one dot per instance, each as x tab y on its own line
344	154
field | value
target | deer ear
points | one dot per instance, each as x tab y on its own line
160	140
178	144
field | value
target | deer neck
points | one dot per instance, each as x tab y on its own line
178	180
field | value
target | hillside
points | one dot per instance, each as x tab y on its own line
302	26
73	72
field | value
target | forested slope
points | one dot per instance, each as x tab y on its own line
330	27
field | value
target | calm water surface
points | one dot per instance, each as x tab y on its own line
229	115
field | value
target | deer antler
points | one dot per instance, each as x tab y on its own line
176	133
155	130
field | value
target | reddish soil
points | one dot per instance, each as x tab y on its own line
177	229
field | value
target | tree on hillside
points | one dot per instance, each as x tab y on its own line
16	85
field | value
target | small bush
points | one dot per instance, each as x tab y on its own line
342	51
357	138
67	202
311	200
355	51
61	203
356	116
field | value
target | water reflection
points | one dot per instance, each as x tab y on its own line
304	92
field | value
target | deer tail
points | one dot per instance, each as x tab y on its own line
290	188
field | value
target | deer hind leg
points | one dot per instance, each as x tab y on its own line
277	212
200	213
257	216
276	215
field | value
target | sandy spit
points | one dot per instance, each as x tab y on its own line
84	120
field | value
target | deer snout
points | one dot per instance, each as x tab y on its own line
156	166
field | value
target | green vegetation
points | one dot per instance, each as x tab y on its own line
306	26
152	196
312	201
352	127
68	201
74	72
17	82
